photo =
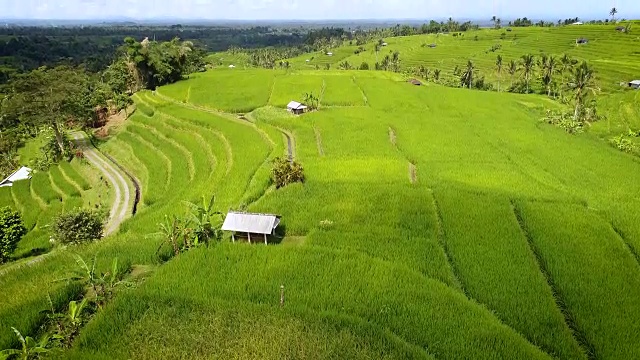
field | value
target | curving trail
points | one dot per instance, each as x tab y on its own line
119	209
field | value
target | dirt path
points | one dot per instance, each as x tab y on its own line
120	206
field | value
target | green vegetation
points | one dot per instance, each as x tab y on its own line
78	226
11	231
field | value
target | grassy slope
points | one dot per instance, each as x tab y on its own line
376	246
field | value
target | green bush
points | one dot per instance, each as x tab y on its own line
78	226
11	231
286	172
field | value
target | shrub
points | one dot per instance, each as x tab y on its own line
624	144
11	231
78	226
286	172
364	66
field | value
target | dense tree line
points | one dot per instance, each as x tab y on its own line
55	98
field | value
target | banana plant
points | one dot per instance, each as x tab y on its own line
30	349
75	312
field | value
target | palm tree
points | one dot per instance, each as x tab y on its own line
613	13
549	67
467	77
512	69
527	64
311	100
436	74
582	84
499	70
566	65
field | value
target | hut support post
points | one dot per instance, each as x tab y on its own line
249	235
265	239
233	237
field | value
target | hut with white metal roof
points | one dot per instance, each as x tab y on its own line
252	225
24	173
296	107
635	84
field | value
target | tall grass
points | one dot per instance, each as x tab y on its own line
42	188
29	207
74	176
497	268
595	275
6	199
59	180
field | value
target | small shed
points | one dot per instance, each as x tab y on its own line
635	84
385	44
232	66
509	29
621	29
251	225
296	107
582	41
432	45
24	173
329	54
577	23
415	82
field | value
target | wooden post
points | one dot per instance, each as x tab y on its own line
233	237
265	239
281	295
249	235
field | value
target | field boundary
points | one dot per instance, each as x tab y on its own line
623	238
442	240
364	95
318	140
578	335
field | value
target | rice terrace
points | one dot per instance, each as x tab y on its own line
428	190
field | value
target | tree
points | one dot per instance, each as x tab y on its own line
11	231
613	13
566	66
311	101
550	67
527	65
436	74
512	69
466	79
30	348
78	226
53	96
205	221
395	62
499	70
285	172
582	84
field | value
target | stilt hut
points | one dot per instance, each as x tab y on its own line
253	227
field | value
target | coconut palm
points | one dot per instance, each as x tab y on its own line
566	65
512	69
582	84
550	67
467	77
613	13
499	70
527	65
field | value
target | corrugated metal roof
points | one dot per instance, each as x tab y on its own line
635	82
23	173
295	105
250	223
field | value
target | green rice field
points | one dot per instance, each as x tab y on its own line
434	222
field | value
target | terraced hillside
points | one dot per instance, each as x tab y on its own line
64	187
406	218
424	229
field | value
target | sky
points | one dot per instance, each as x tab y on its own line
314	9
